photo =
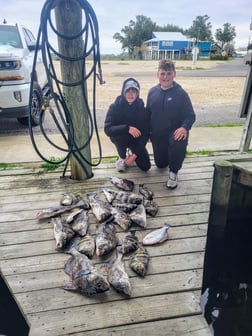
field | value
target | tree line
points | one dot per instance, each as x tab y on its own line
133	35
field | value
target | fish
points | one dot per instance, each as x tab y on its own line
73	213
84	275
157	236
67	199
106	239
86	245
146	192
139	261
138	216
63	233
130	243
121	218
117	276
60	209
80	224
123	183
100	209
122	196
151	207
126	207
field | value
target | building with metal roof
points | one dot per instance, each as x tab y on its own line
173	45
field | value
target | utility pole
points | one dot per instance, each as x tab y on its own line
68	17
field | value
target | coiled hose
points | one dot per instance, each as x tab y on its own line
62	120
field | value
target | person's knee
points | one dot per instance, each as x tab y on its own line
161	166
146	168
144	165
161	163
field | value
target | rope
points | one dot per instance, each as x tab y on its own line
63	121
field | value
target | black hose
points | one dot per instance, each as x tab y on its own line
93	48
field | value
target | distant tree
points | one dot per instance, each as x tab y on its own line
200	29
170	28
225	35
229	48
136	33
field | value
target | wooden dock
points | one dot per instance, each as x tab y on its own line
166	302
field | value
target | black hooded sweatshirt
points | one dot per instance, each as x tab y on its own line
121	115
169	109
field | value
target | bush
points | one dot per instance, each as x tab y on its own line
218	57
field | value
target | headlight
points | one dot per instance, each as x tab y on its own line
10	65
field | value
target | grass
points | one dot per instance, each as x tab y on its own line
50	166
200	152
4	166
225	125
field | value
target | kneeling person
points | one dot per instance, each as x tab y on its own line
127	126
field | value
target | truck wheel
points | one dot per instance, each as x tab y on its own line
36	109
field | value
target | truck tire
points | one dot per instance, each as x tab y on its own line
36	109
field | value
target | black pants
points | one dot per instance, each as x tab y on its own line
124	142
169	152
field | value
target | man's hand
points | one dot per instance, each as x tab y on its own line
134	132
130	159
180	134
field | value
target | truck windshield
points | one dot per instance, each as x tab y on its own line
9	36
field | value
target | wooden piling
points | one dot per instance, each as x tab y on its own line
68	17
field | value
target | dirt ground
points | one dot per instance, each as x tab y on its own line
204	91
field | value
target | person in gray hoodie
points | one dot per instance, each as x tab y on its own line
171	117
127	126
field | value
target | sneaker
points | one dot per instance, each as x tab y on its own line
172	180
120	165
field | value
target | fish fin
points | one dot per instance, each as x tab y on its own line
70	287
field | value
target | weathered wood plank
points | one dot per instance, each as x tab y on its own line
38	300
54	278
41	263
22	237
105	315
193	325
186	245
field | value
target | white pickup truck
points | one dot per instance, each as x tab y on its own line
17	49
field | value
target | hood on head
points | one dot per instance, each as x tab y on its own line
130	83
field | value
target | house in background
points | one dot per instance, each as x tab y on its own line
173	45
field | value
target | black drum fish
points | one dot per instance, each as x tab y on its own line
130	243
100	209
117	276
139	261
122	196
63	232
151	207
138	216
123	183
84	276
146	192
106	239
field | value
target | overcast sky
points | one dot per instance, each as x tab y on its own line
113	15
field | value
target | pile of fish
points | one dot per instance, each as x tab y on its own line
122	207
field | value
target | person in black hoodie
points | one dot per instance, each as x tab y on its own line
171	118
127	126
